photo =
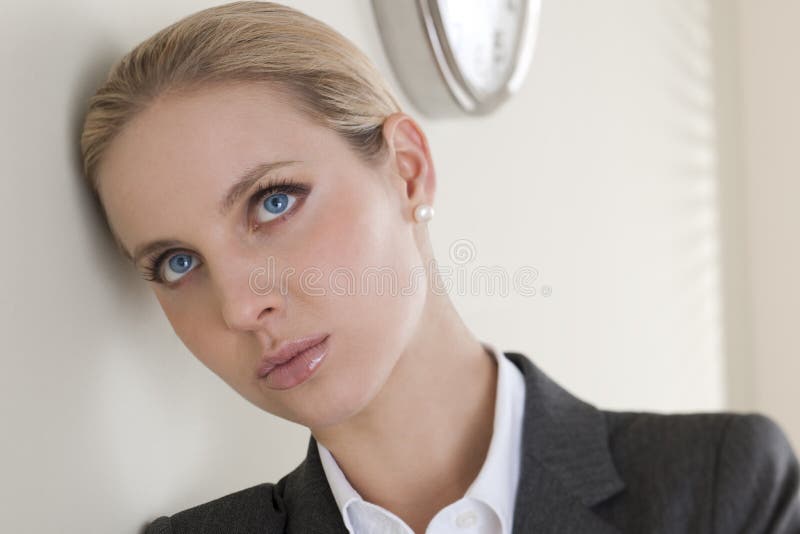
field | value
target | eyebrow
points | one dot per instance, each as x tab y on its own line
246	181
241	186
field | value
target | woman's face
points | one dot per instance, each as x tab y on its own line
164	177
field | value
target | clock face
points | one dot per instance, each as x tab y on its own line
483	36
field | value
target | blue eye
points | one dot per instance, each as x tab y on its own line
271	201
275	205
179	263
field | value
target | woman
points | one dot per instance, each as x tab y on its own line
254	166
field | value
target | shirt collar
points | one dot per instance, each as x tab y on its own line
496	483
343	492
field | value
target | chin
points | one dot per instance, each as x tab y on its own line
336	407
314	404
337	410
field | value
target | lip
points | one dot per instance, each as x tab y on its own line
288	351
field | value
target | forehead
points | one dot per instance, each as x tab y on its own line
176	158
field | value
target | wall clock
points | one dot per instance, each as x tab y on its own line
458	57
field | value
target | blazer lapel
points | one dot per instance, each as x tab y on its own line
566	466
310	504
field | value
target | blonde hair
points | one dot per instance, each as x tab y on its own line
326	75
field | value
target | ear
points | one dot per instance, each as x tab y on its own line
410	159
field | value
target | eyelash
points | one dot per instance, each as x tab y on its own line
274	186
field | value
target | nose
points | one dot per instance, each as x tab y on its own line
250	295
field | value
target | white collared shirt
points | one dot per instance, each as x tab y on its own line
488	505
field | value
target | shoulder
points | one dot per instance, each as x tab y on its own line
255	509
712	472
757	478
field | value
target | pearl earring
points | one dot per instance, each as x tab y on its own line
423	213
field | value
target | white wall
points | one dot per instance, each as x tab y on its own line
601	174
758	123
770	85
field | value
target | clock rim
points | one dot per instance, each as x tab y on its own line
462	91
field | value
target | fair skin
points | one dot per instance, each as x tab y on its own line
400	367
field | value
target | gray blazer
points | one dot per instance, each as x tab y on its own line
583	470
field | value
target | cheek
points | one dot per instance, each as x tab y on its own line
366	230
361	241
193	321
365	252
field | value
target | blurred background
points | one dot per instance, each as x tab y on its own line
647	170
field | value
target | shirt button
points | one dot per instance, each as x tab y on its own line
466	519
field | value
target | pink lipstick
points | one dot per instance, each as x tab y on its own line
294	362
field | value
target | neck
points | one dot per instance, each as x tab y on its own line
422	440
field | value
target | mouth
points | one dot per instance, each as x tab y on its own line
293	363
